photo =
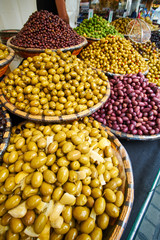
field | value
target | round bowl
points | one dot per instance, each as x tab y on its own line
31	52
56	119
4	64
6	135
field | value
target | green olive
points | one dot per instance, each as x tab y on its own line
60	136
3	175
96	234
12	202
81	200
83	236
70	188
67	147
40	223
81	213
49	176
83	147
6	219
112	210
73	155
9	184
16	225
62	175
52	148
103	221
57	194
37	179
72	234
11	236
119	199
46	189
33	201
29	155
38	162
67	214
99	205
63	230
109	195
87	226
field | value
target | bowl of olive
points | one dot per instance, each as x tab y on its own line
6	56
71	181
5	128
54	87
30	52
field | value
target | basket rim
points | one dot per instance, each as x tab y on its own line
9	58
7	133
38	50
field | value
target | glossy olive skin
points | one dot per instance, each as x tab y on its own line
80	213
40	223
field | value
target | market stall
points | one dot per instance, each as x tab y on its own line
82	154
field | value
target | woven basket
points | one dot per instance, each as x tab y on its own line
4	64
56	119
7	33
31	52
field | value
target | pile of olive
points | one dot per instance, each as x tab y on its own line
44	30
96	27
54	84
59	182
146	49
115	55
121	24
154	70
2	124
3	51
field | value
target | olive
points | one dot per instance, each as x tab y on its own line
87	226
16	225
40	223
81	213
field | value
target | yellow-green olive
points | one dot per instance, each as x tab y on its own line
57	193
55	236
81	200
52	148
72	234
16	225
96	234
67	147
4	173
38	162
81	213
63	230
37	179
46	189
40	223
6	219
112	210
96	193
73	155
11	236
87	226
49	176
83	236
9	184
67	214
99	205
109	195
103	221
12	202
2	198
119	199
62	175
33	201
70	188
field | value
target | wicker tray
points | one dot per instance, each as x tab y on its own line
6	135
30	52
115	230
5	62
7	33
60	119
